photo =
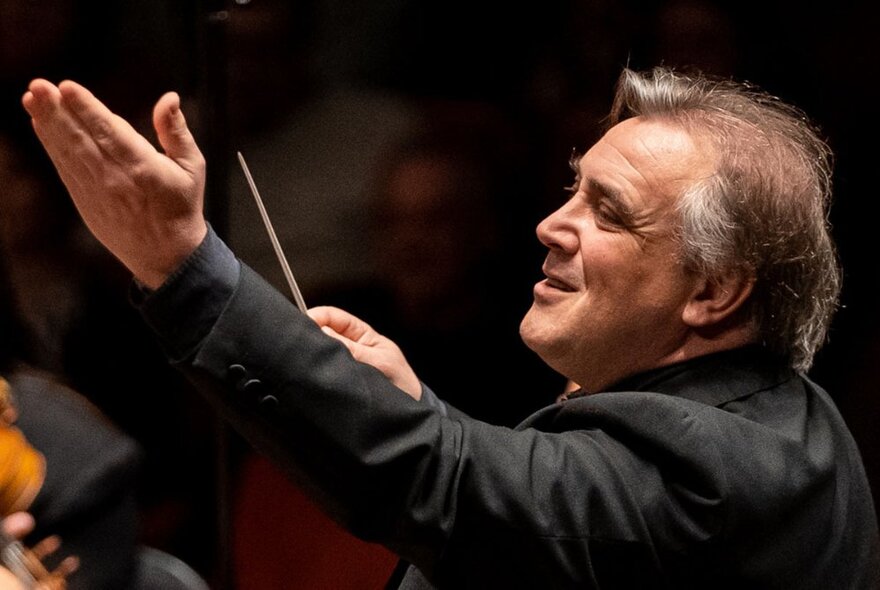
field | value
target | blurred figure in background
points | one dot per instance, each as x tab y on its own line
296	131
70	299
446	206
64	462
73	324
442	206
86	492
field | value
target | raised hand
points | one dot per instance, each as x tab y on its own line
145	206
368	346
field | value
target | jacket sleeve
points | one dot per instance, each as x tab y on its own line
461	499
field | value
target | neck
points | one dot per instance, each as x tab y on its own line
695	344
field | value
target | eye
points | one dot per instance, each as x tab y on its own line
608	216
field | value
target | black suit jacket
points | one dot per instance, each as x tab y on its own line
729	471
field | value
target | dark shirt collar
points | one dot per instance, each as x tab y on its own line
712	379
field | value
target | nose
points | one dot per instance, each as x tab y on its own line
558	232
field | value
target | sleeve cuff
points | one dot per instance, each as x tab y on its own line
186	306
430	398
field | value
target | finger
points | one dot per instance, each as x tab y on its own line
41	97
340	321
112	134
321	314
174	134
18	524
57	128
46	547
60	134
67	566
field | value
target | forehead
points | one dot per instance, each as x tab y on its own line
648	162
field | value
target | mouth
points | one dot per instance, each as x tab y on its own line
558	284
555	281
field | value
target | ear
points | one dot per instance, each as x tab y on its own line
715	301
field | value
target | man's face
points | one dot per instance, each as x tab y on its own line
612	300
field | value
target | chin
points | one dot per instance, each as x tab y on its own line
536	332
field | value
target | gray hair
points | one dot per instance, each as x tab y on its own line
764	211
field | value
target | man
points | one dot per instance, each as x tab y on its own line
689	280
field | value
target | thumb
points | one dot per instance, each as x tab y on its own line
173	133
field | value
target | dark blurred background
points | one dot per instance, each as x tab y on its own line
405	150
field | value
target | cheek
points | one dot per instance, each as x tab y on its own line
624	282
660	291
607	263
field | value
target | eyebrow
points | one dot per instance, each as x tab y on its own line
574	161
634	222
612	194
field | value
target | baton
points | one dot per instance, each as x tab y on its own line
288	274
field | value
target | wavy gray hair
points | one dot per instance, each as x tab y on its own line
764	212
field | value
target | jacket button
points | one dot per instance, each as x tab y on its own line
251	386
268	401
237	372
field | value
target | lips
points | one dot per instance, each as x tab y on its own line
556	279
558	270
557	283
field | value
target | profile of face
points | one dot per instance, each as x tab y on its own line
614	298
